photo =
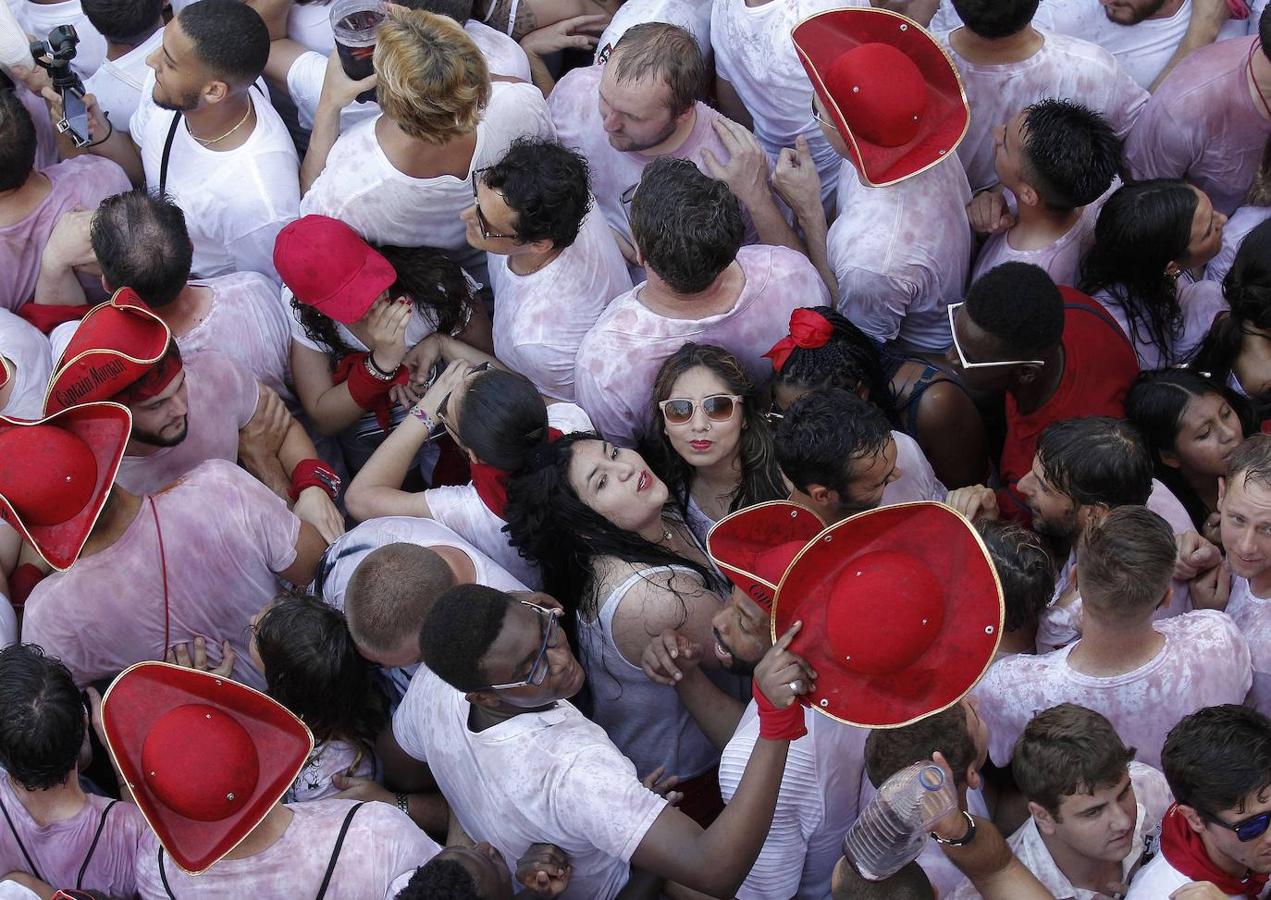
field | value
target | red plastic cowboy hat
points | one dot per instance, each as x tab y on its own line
56	473
119	346
754	546
206	758
901	610
889	88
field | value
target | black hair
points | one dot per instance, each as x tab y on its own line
229	37
1247	290
41	718
548	187
441	878
1072	153
312	668
849	360
1264	32
1019	304
502	418
457	634
688	225
141	241
822	432
995	18
127	22
18	142
1142	228
1097	460
1024	567
1217	756
1155	405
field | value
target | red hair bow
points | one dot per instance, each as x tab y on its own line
808	330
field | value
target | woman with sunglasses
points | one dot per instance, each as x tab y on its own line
616	551
710	444
1149	236
825	350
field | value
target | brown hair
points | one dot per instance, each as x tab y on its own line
1066	749
888	750
391	593
1253	459
666	51
1125	561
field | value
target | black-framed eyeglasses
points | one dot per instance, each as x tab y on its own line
817	115
482	224
1246	830
538	671
442	408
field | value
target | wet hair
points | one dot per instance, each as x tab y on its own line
1142	228
687	225
666	51
229	37
888	750
910	882
441	878
141	241
1071	153
1217	756
1125	562
849	360
41	718
1097	460
1247	290
1155	406
760	474
17	142
992	19
127	22
548	187
823	432
313	669
1025	569
1066	749
502	418
460	629
391	592
1253	460
1019	304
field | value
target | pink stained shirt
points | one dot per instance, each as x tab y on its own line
224	536
1202	124
1205	662
60	849
620	356
1200	301
381	844
222	399
575	107
1065	67
1252	615
901	253
249	322
541	318
79	183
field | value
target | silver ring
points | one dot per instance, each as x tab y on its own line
795	686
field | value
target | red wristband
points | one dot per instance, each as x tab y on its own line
314	473
779	724
368	391
22	582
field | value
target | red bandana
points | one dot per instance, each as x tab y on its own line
808	330
1184	851
492	483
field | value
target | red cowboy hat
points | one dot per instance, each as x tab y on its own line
117	346
754	546
55	475
901	610
889	87
206	758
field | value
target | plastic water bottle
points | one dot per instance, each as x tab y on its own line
893	828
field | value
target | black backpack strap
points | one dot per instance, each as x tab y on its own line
335	853
21	846
167	151
163	876
92	848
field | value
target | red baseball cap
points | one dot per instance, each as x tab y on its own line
119	347
901	609
205	757
889	87
754	546
56	472
328	266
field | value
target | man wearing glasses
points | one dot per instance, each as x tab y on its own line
1218	765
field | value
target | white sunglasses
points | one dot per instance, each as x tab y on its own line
966	363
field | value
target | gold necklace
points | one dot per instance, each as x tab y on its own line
226	134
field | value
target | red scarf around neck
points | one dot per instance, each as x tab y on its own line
1184	851
492	483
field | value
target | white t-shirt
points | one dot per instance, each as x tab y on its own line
1205	662
917	479
754	53
1252	615
117	83
360	186
30	365
901	253
1201	302
1242	221
90	52
1158	879
818	802
309	24
540	319
549	776
235	202
694	16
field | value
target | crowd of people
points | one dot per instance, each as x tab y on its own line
593	453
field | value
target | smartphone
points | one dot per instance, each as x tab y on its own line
74	117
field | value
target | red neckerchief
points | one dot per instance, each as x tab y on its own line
492	483
1184	851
